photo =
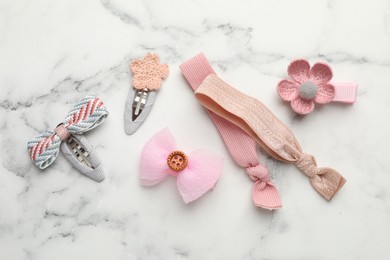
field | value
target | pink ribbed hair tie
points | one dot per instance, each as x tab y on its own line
258	122
240	145
310	85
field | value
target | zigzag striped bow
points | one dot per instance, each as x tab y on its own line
86	115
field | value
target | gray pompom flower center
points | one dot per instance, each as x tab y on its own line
308	90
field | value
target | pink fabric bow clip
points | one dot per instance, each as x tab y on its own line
195	174
310	85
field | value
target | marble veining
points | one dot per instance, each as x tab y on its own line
54	53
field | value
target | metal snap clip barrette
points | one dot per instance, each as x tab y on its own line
148	75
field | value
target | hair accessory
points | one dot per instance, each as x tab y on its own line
240	145
148	75
86	115
310	85
265	128
196	173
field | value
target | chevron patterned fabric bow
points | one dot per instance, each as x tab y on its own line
195	175
86	115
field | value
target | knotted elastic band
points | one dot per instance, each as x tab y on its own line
266	129
240	145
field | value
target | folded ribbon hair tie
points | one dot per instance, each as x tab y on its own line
240	145
265	128
196	173
310	85
86	115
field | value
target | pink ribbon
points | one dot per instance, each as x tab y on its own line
240	145
345	92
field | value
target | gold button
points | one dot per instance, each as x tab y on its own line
177	161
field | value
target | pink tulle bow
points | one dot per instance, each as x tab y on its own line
199	176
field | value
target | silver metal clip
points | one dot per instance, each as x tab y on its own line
79	151
139	102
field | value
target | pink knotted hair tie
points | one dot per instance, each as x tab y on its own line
255	119
240	145
310	85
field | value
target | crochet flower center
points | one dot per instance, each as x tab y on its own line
308	90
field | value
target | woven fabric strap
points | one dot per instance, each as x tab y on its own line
267	130
240	145
86	115
345	92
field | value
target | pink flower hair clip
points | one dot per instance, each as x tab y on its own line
148	75
195	173
310	85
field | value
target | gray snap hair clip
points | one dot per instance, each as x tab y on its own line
148	75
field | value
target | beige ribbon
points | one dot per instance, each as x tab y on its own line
269	132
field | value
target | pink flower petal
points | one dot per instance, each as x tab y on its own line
152	57
148	72
302	106
299	70
154	83
287	90
325	94
321	73
136	66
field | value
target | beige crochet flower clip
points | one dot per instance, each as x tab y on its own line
148	73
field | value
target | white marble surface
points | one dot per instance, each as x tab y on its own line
52	53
